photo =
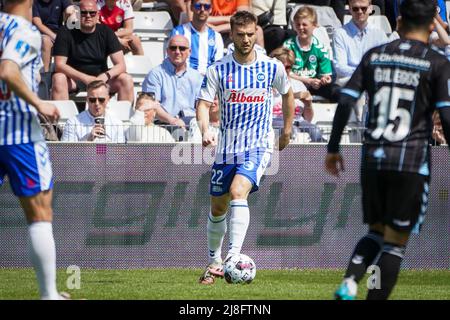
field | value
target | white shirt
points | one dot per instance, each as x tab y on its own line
245	102
20	42
139	132
79	128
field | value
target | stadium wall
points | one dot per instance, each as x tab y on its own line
140	206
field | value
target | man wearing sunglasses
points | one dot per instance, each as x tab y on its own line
354	39
94	124
81	57
174	84
206	44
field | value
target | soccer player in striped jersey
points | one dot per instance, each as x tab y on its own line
406	81
23	153
243	81
206	44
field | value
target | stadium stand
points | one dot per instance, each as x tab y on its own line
121	110
153	28
379	21
66	108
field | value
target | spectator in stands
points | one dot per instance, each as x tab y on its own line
48	16
206	44
119	16
312	62
303	100
214	124
137	4
81	57
177	7
222	10
276	33
174	84
354	39
142	128
94	124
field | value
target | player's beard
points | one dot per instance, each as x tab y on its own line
241	50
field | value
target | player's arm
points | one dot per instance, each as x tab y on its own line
202	114
333	161
288	105
444	114
10	73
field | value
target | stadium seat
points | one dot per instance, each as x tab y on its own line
152	6
67	109
152	24
323	113
121	110
378	21
154	50
137	66
325	15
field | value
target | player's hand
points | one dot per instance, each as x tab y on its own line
334	163
49	110
209	139
284	140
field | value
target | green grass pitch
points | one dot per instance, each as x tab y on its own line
181	284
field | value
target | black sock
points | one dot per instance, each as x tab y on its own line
389	264
364	254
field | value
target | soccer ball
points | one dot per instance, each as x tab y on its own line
239	268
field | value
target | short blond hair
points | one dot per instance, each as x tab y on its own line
283	54
306	12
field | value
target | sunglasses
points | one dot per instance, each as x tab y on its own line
363	9
94	100
174	48
199	6
90	13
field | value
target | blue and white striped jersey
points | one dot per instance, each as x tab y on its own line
245	100
207	46
20	41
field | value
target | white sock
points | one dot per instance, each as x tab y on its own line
43	257
216	229
239	221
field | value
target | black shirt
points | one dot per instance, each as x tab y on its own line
87	52
51	12
405	81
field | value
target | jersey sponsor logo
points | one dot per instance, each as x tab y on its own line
119	19
230	78
22	48
241	97
261	77
312	59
